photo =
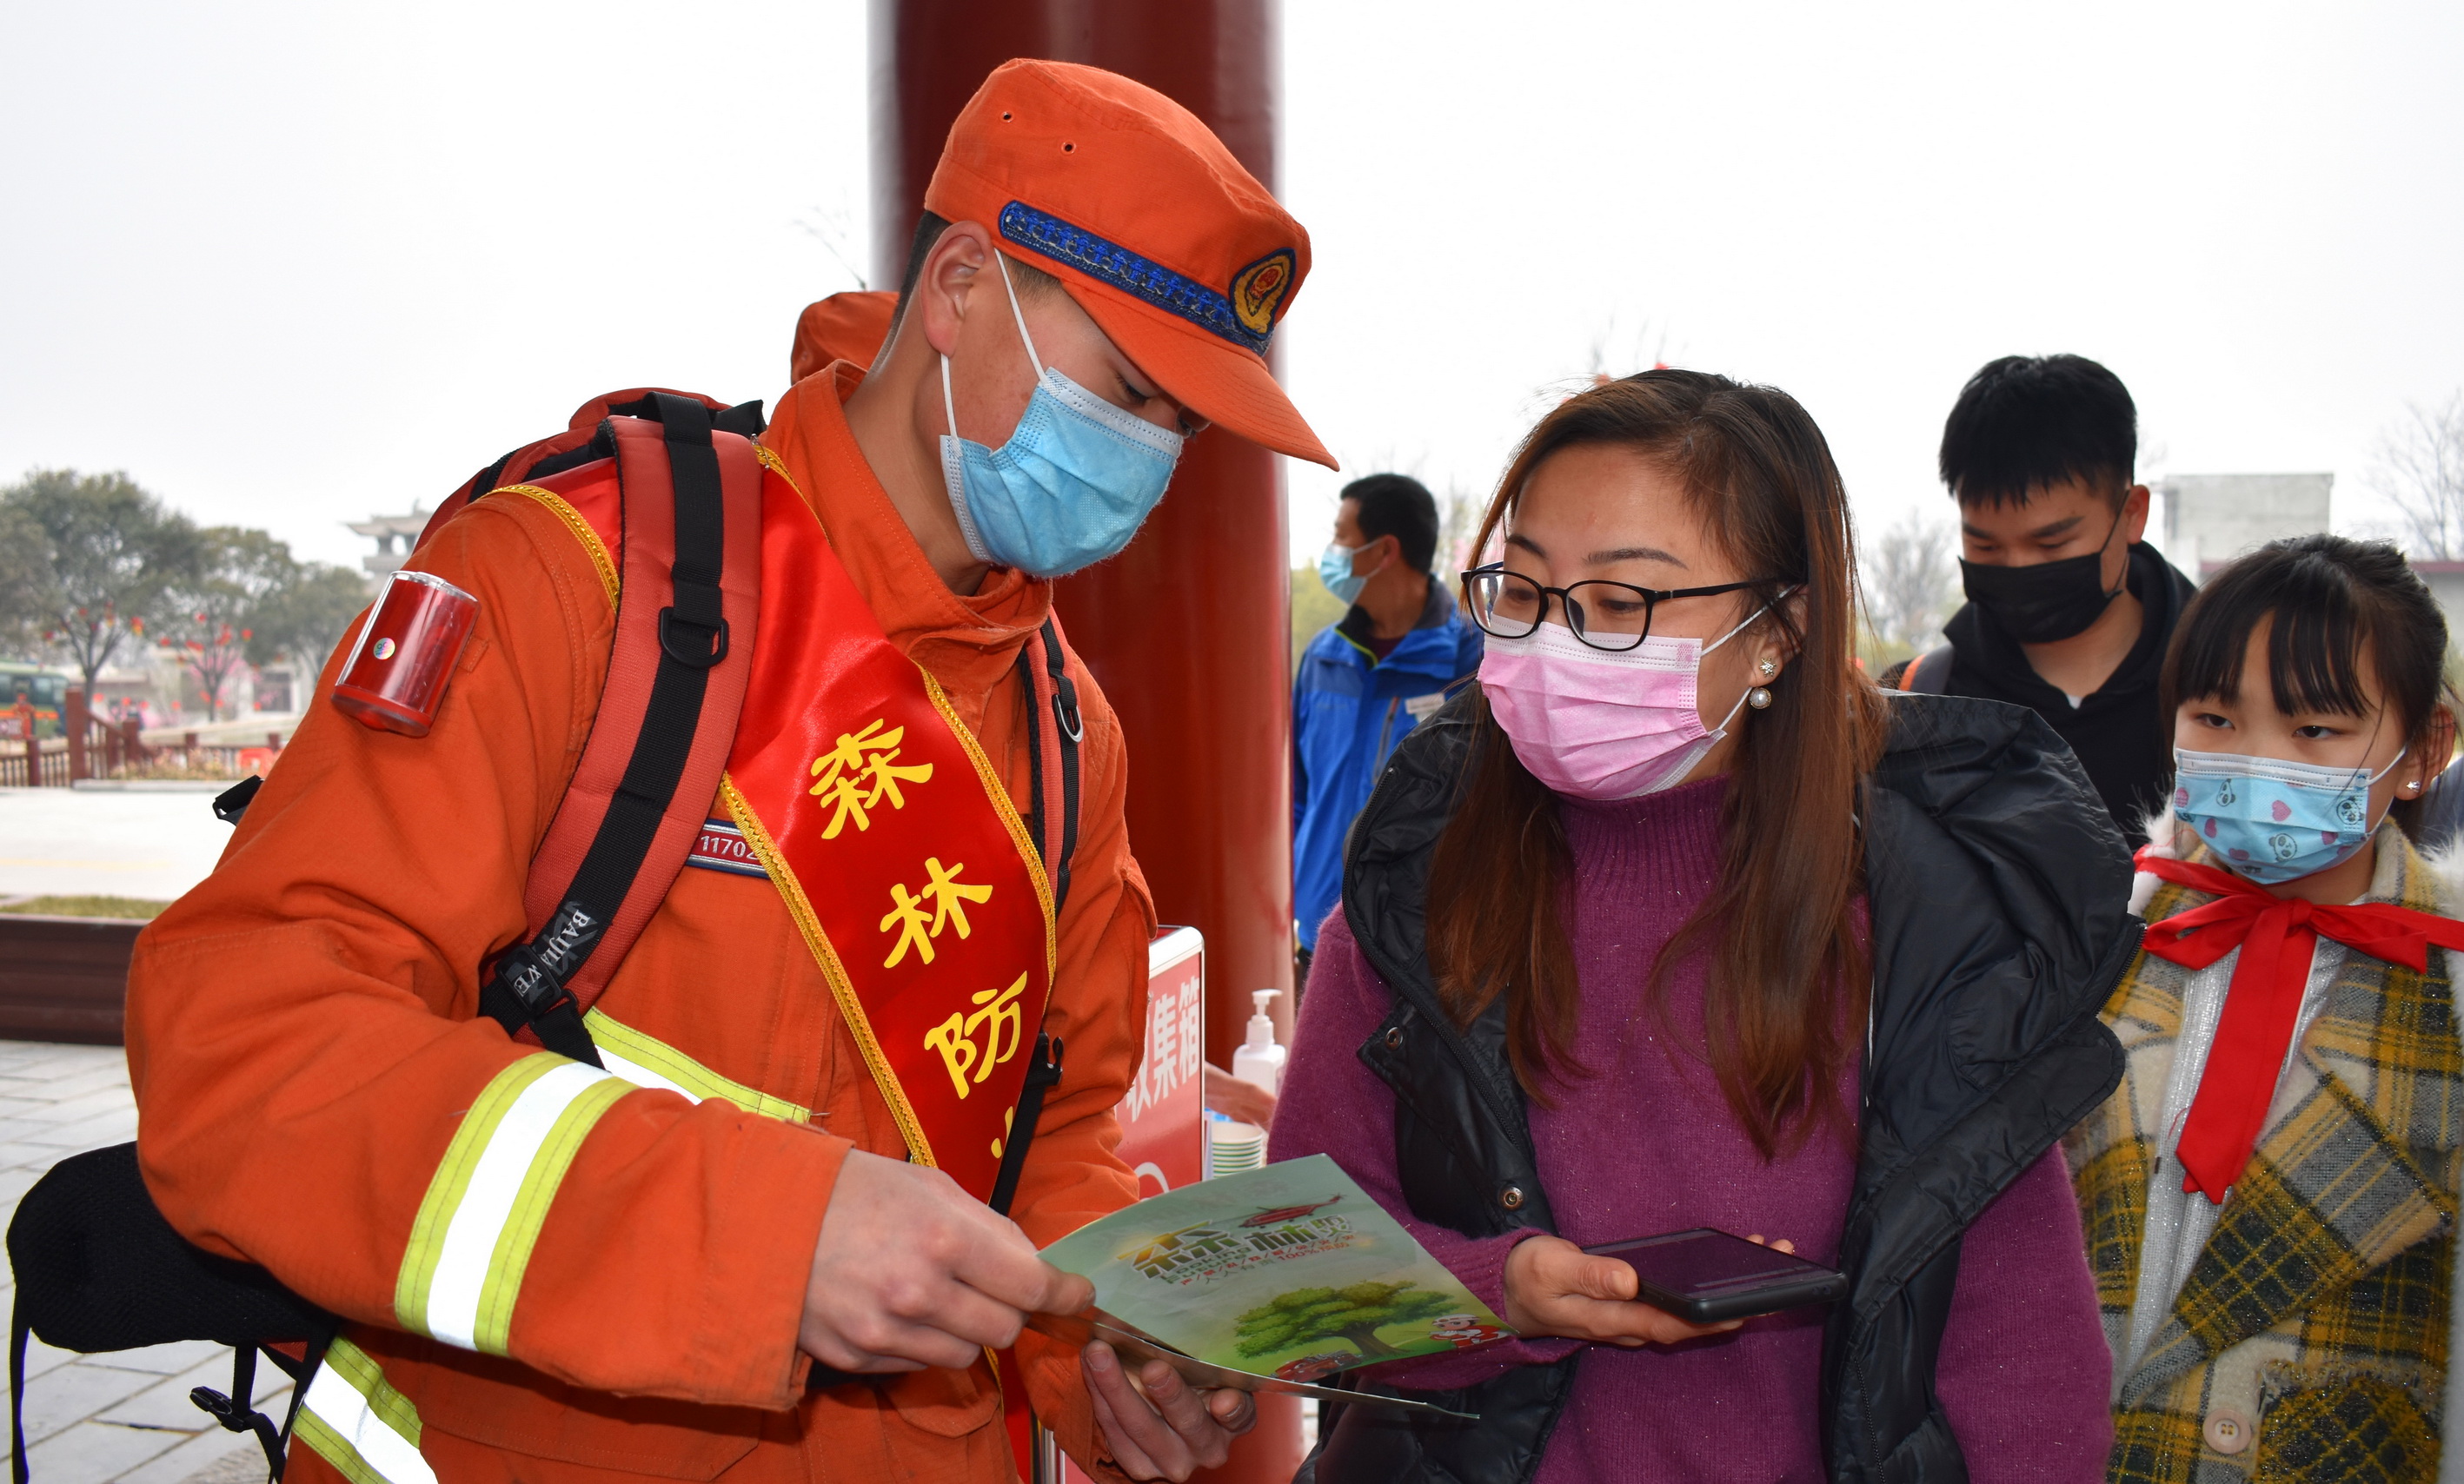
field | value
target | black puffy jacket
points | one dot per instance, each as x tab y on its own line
1997	889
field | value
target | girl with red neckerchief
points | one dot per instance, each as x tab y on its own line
2270	1195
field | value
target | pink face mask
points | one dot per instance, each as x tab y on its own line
1596	725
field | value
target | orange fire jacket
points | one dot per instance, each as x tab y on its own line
318	1093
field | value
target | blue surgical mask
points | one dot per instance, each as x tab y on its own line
2269	819
1071	486
1334	570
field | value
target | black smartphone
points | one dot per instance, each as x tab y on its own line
1706	1275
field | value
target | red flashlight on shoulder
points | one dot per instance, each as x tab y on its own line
397	674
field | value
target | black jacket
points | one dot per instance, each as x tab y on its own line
1997	893
2120	732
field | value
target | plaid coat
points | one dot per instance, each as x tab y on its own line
2317	1311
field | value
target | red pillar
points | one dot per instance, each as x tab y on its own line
1187	631
73	721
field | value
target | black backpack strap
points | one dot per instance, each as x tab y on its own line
1043	673
1043	668
237	1413
491	477
532	986
1043	1074
1073	730
303	1374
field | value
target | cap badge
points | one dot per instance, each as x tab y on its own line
1268	281
1258	290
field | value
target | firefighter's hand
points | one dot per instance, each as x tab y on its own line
912	1271
1172	1431
1554	1287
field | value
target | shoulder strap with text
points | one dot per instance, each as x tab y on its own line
687	615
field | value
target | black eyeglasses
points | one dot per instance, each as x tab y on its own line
1609	616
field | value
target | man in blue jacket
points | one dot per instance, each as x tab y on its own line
1365	682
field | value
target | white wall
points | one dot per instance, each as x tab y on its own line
2212	518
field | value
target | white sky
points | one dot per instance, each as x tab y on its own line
291	263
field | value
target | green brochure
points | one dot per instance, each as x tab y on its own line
1289	1272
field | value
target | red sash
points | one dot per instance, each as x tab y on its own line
884	827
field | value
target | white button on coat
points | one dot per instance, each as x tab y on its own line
2227	1432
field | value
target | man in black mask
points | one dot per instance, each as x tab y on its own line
2068	611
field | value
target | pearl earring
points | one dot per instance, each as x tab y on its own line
1758	697
1769	667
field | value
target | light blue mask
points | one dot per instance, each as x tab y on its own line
2273	821
1071	486
1334	570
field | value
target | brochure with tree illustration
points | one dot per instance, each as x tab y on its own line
1288	1272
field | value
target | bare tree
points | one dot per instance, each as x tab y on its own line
1459	516
2419	467
834	228
1911	582
1613	355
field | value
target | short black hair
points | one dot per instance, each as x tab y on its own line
929	228
2025	423
2330	596
1402	507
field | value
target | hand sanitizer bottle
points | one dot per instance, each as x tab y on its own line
1259	1060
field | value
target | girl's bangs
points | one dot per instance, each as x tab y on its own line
2316	637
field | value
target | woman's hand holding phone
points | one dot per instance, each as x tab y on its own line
1554	1287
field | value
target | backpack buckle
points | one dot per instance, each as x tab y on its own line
696	646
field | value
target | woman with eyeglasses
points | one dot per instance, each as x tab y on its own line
1675	921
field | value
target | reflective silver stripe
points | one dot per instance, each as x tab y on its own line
471	1240
355	1421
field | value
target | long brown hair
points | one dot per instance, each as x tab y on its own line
1785	993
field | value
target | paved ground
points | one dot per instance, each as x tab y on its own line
109	842
123	1417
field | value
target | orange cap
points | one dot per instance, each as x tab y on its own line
847	326
1158	232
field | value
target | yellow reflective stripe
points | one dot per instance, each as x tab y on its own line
581	528
511	1257
472	1239
452	1177
355	1420
650	1063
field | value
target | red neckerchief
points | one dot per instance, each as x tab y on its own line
2276	936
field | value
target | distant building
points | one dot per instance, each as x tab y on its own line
2210	519
387	530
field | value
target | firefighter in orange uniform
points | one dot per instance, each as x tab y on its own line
553	1273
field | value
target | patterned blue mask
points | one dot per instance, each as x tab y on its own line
1073	484
2273	821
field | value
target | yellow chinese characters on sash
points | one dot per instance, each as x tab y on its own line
883	825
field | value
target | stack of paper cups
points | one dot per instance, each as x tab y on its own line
1232	1147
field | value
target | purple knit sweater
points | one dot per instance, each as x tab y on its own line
1647	1144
